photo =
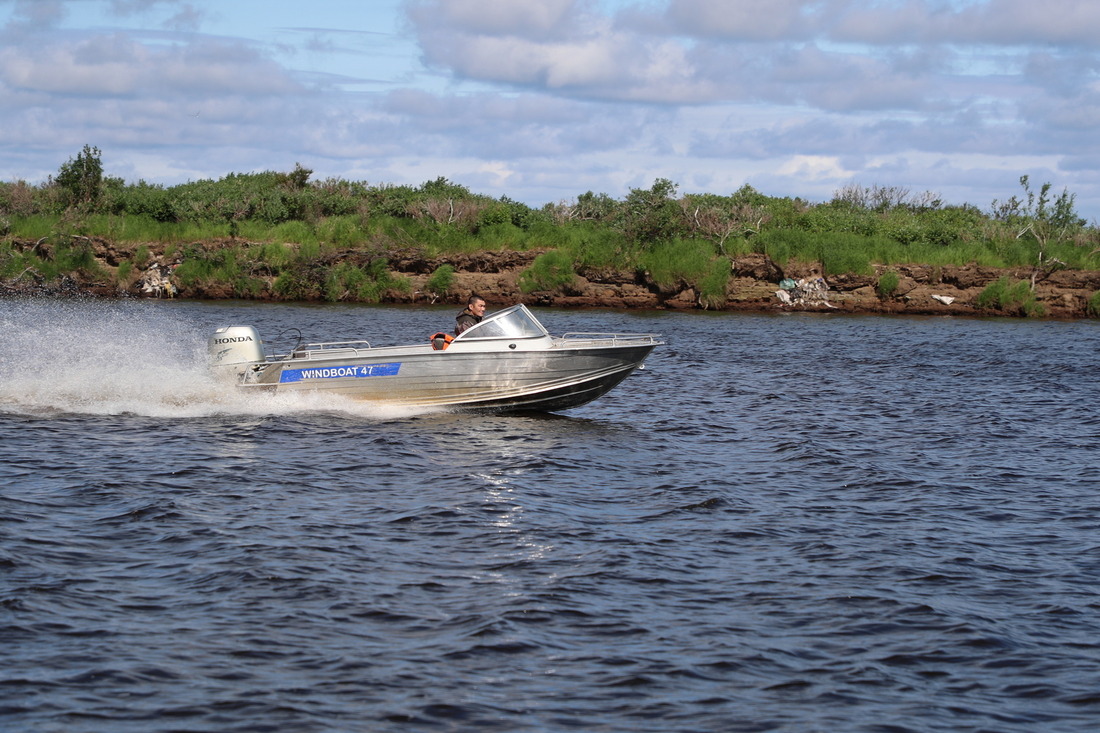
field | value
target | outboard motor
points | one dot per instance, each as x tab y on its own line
235	346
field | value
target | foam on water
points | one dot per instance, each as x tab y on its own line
109	358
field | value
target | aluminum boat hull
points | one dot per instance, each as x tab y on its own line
508	363
540	380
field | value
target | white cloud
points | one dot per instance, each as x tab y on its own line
116	64
814	168
744	20
544	99
999	22
519	18
34	15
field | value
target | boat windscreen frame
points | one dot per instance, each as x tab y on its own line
523	325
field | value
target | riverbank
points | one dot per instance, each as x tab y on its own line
755	284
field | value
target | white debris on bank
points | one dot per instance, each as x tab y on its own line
945	299
807	291
157	283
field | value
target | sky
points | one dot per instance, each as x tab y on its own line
544	100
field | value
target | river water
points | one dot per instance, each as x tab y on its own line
786	522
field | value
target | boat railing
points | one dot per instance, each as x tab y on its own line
327	349
608	339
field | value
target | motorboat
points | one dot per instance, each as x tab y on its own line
506	363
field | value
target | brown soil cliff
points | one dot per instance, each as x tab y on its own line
753	285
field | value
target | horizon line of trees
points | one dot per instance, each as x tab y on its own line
642	216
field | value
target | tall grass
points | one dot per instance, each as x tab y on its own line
714	284
841	252
597	248
346	281
551	271
34	227
341	231
201	268
17	264
441	280
1014	298
121	229
274	255
887	284
838	252
676	264
495	237
49	262
296	232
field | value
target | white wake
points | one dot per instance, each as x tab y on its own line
110	358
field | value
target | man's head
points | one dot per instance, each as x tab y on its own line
476	305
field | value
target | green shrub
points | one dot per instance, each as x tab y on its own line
712	287
346	281
76	257
246	286
34	227
504	235
293	232
18	199
1094	305
81	178
441	280
598	248
294	285
49	262
650	216
308	251
200	267
343	282
887	283
342	231
671	264
1013	298
15	263
841	253
550	271
275	254
194	271
838	252
146	200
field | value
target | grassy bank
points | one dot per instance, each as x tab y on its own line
282	235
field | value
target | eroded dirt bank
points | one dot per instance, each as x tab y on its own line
753	284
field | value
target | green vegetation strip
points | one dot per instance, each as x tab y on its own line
284	235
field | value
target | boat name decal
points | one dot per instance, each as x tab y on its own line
365	370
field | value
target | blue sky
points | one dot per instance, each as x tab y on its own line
543	100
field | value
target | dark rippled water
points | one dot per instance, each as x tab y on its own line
785	523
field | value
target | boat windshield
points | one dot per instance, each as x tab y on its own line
514	322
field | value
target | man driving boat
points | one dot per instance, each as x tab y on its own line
471	315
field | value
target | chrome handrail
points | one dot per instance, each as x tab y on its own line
330	344
324	350
613	338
